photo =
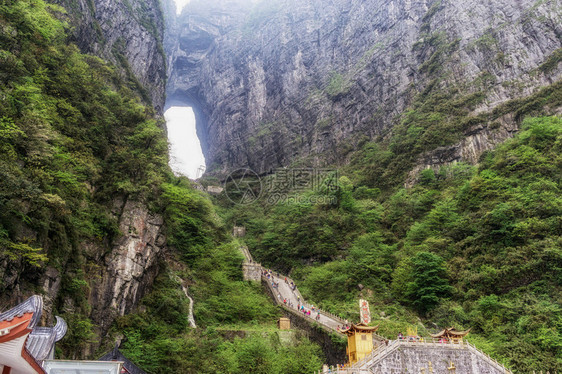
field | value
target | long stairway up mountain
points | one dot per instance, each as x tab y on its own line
286	294
388	355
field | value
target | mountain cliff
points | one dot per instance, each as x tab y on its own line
91	216
127	33
286	81
79	220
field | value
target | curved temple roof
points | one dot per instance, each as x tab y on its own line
41	341
450	332
23	345
32	305
360	327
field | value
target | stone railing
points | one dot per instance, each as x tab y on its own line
311	318
377	353
246	253
438	343
337	370
251	269
487	358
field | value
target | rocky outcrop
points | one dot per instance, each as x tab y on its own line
129	269
477	140
117	274
275	82
130	34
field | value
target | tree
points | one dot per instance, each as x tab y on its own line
429	282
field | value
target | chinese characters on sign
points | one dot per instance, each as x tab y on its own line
364	311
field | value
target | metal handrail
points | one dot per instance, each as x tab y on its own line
311	318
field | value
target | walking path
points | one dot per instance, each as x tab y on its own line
287	295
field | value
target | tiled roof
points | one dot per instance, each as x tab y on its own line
41	341
32	305
451	331
116	355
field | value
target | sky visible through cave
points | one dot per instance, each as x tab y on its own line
186	157
180	4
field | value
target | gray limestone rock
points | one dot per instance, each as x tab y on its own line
128	33
279	81
128	271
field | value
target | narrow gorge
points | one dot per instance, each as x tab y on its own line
280	83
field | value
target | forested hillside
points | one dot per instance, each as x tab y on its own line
468	246
75	139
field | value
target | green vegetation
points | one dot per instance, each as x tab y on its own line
426	281
426	20
264	132
72	136
467	246
75	140
552	62
208	351
160	341
338	85
439	117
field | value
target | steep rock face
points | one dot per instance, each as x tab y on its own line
127	272
128	33
281	81
119	275
478	140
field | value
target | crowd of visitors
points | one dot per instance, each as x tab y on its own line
307	311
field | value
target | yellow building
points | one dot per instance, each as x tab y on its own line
359	341
284	323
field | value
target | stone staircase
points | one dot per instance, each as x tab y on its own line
253	271
389	356
284	292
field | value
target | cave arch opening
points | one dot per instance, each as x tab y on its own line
185	138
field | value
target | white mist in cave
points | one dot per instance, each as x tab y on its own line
186	157
180	4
